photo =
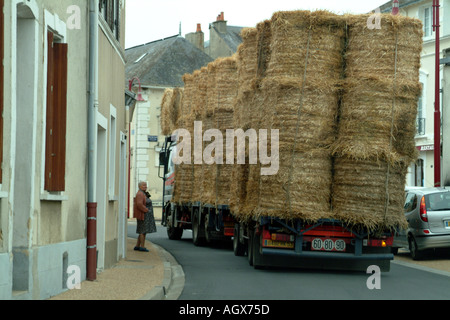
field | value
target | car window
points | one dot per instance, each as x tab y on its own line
410	202
438	201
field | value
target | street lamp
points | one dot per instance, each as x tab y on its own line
130	85
395	8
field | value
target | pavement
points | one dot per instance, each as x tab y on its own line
156	275
153	275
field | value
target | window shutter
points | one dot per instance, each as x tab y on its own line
60	115
1	85
55	153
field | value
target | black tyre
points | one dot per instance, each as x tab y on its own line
197	226
238	246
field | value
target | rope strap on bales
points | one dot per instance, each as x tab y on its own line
391	138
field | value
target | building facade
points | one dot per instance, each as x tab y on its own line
422	172
44	142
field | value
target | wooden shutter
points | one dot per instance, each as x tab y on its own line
2	48
55	153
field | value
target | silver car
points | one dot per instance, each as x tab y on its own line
427	211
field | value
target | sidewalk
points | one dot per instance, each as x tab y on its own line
153	275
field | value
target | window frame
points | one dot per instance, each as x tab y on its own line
59	29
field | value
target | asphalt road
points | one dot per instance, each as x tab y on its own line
214	273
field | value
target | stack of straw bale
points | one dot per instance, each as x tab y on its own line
300	98
246	60
207	186
375	142
183	172
167	112
170	108
199	106
254	100
227	89
344	99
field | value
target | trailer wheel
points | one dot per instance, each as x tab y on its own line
256	247
250	247
238	246
197	239
174	233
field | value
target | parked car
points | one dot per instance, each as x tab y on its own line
427	211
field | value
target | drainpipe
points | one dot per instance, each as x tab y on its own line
91	255
437	108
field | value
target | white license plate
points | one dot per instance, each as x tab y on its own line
319	244
447	224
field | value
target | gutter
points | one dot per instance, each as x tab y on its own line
91	255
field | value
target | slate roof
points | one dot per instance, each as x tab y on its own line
162	63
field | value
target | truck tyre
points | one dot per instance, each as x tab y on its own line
197	239
174	233
238	246
256	247
250	247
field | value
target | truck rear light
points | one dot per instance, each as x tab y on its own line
383	243
423	210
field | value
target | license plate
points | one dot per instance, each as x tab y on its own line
320	244
278	244
447	224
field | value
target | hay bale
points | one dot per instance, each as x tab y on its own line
227	88
300	190
369	194
167	112
317	37
381	90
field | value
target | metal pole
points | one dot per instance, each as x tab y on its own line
437	111
91	255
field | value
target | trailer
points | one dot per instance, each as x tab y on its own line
326	244
271	241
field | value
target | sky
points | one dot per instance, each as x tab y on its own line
150	20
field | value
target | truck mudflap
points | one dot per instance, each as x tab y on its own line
328	244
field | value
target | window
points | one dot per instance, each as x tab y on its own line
1	85
112	151
419	173
56	119
420	114
428	22
410	202
110	11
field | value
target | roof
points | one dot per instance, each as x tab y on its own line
163	63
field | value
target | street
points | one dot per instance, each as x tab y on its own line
214	273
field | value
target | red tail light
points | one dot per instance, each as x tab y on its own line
423	210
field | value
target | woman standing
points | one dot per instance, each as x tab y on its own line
143	211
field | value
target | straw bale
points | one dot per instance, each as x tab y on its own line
368	193
317	38
381	90
176	103
247	57
301	189
167	112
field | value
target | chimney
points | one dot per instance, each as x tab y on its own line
220	23
197	38
221	17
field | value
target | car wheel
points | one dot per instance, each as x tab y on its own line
416	254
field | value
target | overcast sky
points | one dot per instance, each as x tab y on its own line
149	20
